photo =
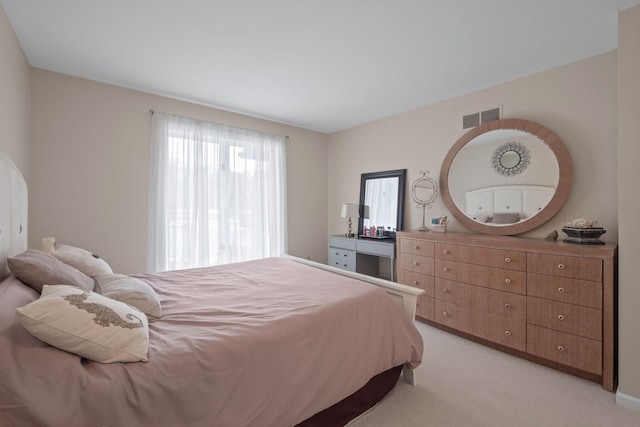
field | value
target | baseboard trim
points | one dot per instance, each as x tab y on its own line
627	401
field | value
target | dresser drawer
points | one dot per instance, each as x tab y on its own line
574	319
489	277
503	305
371	247
568	349
416	247
563	289
513	260
416	263
424	307
342	258
418	280
342	242
565	266
498	329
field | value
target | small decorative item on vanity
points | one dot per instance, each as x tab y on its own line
350	210
583	232
439	225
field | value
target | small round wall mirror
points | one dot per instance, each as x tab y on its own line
510	159
424	192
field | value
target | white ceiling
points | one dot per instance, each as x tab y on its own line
323	65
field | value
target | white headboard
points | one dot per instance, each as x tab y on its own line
524	200
13	213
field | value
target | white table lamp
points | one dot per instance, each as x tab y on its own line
350	210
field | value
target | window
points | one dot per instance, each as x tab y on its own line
217	194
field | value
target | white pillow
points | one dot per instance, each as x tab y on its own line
129	290
87	324
82	260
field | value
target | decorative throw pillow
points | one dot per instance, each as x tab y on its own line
83	260
481	217
129	290
506	218
37	268
87	324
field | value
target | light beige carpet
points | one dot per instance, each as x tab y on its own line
461	383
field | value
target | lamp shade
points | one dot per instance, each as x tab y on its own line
350	210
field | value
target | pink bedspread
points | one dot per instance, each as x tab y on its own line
262	343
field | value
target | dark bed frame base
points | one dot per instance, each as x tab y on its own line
358	403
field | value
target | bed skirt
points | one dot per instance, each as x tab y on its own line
356	404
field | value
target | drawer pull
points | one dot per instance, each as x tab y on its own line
560	348
507	259
507	281
560	317
345	255
561	266
445	269
445	314
415	282
561	290
507	306
507	333
445	291
445	252
416	263
416	247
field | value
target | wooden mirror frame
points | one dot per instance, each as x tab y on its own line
565	179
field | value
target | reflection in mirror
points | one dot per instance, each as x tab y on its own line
533	179
381	203
377	191
510	159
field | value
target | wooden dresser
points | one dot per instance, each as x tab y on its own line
550	302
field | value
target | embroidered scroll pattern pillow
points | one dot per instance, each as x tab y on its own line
87	324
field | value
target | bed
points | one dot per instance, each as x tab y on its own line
506	204
270	342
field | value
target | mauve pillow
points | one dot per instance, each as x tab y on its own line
37	268
506	218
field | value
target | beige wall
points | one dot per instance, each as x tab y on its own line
90	157
629	205
593	105
15	98
576	101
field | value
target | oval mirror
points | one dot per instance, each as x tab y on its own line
506	177
424	192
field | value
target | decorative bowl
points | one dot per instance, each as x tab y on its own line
584	236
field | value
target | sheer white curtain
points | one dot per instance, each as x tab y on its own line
217	194
378	192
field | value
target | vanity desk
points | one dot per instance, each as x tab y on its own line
550	302
363	255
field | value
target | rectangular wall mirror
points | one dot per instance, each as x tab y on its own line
382	202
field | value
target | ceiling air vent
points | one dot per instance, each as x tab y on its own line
489	115
475	119
470	120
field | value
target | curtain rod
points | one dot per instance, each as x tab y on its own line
153	111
